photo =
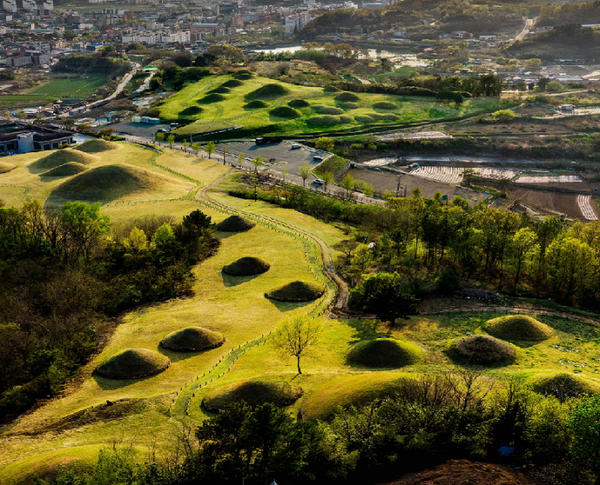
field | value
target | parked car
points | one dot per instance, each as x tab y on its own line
295	146
317	158
259	141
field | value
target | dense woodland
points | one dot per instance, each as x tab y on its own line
569	13
66	273
569	40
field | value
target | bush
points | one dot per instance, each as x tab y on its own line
193	339
299	103
212	98
256	104
285	112
268	91
384	353
327	110
384	105
482	350
518	327
504	115
347	97
296	291
247	266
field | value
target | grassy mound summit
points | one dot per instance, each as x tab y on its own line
563	386
212	98
254	392
349	105
268	91
232	83
285	112
256	104
296	291
110	182
96	146
384	105
192	339
328	110
133	364
482	350
247	266
60	157
518	327
347	97
384	352
220	90
299	103
235	224
6	167
191	111
330	89
243	74
66	170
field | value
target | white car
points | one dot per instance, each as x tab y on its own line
295	146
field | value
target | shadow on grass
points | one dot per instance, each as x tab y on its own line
113	384
230	281
179	356
364	330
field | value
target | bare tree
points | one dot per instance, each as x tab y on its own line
296	335
304	172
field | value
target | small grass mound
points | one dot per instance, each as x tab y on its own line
296	291
330	89
96	146
482	350
60	157
564	386
384	105
220	90
518	327
328	120
349	105
193	339
254	392
191	111
246	266
268	91
285	112
347	97
328	110
235	224
66	170
256	104
211	98
384	352
299	103
243	74
133	364
6	167
232	83
364	119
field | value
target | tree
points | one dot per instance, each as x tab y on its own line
384	295
327	178
210	148
296	335
325	143
171	140
185	144
225	153
348	183
304	172
84	225
197	147
584	422
368	190
523	240
257	162
533	64
241	158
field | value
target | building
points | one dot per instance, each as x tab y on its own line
295	23
10	6
29	5
199	31
19	61
461	35
227	8
488	38
22	138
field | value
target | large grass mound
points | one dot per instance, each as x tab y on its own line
110	182
66	170
355	390
296	291
256	104
563	386
211	98
246	266
60	157
191	111
235	224
133	364
232	83
96	146
482	350
299	103
285	112
268	91
243	74
6	167
328	120
254	392
330	89
347	97
328	110
518	327
384	353
384	105
220	90
192	339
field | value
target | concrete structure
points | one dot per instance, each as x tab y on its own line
295	23
22	138
10	6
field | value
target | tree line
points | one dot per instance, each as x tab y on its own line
66	273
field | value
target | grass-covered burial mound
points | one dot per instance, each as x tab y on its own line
299	103
349	105
256	104
384	352
235	224
254	392
330	89
212	98
326	120
232	83
268	91
66	170
60	157
243	74
192	339
482	350
6	167
564	386
96	146
220	90
247	266
296	291
347	97
328	110
384	105
285	112
518	327
133	364
191	111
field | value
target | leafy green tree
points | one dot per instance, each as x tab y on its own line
348	183
257	162
296	335
241	158
327	179
197	147
85	225
522	242
210	148
171	140
325	143
304	172
584	422
185	144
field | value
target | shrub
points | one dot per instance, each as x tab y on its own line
349	105
232	83
193	339
482	350
256	104
133	364
296	291
384	105
235	224
268	91
246	266
212	98
254	392
518	327
299	103
191	111
327	110
285	112
504	115
384	353
347	97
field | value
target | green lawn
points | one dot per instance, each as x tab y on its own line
230	109
22	100
79	87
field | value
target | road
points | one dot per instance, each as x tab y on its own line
118	91
526	29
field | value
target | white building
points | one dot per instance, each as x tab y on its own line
29	5
295	23
10	6
48	5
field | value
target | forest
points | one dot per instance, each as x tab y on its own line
67	273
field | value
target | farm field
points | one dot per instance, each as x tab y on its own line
79	87
262	105
454	175
21	100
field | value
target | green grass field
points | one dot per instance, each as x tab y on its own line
21	100
70	88
230	107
